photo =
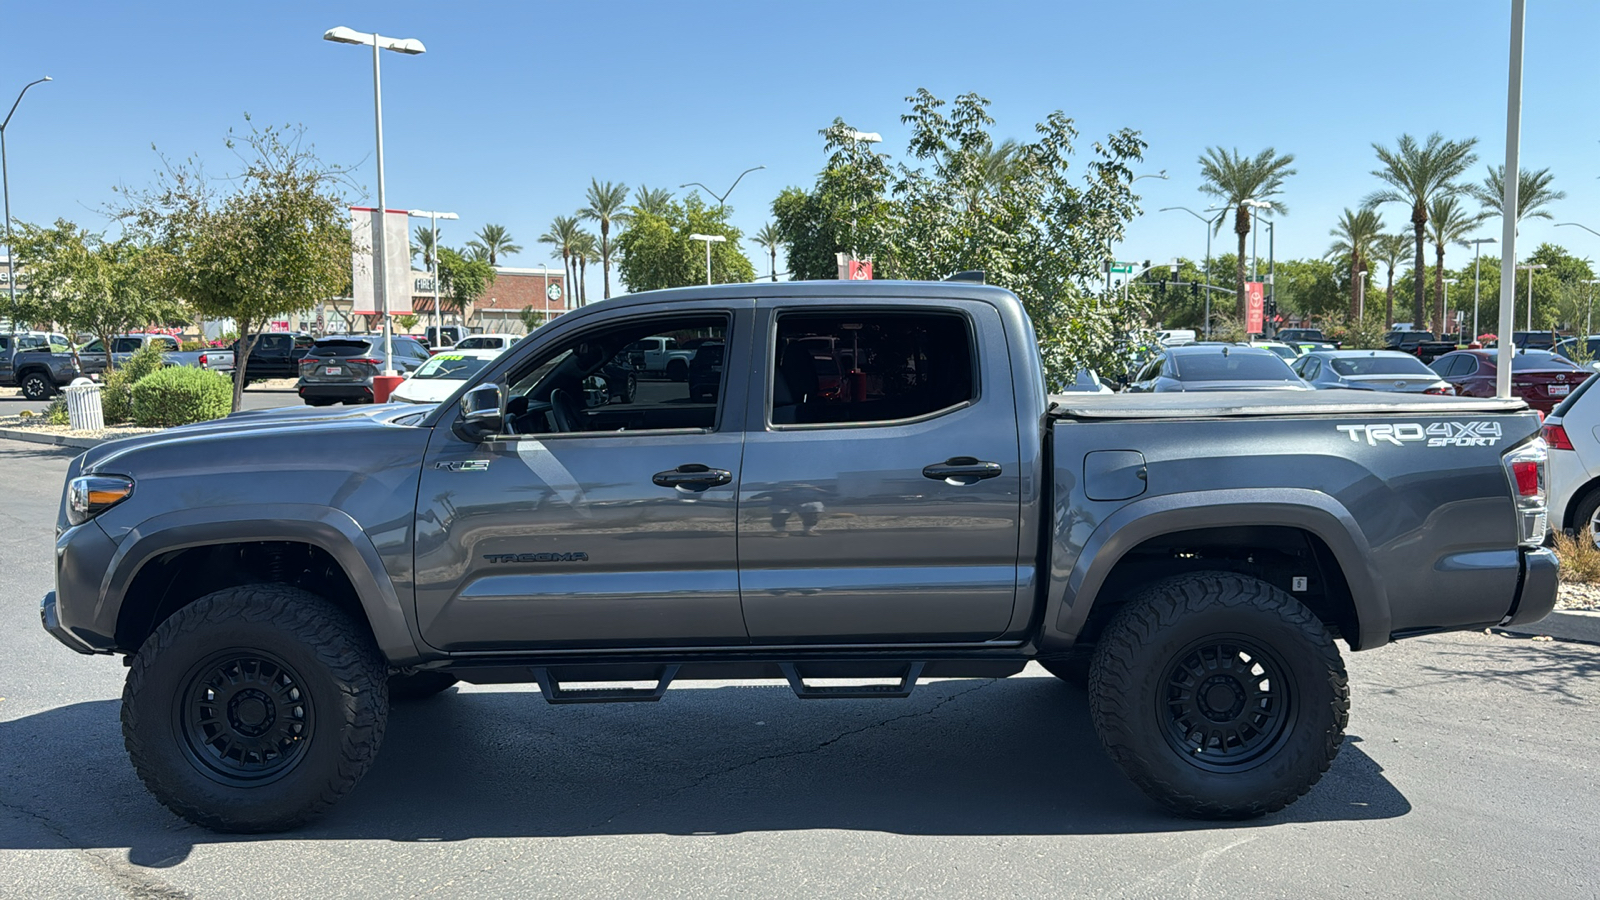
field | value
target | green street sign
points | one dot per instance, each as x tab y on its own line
1121	268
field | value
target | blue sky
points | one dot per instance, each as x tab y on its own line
516	105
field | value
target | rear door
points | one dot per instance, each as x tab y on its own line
882	508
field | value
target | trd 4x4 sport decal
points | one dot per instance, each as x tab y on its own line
1437	434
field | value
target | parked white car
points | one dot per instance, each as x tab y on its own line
1572	432
441	375
495	342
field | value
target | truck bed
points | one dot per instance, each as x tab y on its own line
1244	404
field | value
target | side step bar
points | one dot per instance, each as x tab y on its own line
553	692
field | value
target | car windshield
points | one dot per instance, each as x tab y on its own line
1380	365
453	366
1284	352
1231	367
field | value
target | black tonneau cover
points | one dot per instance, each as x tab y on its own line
1224	404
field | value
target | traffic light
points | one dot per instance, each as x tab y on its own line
1194	288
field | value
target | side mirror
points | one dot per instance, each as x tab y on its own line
482	413
595	392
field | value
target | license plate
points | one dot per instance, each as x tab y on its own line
331	370
1559	390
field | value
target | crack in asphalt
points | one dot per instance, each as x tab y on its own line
132	881
787	754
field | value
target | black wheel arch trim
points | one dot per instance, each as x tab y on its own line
329	529
1071	594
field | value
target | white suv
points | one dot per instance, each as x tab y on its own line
1572	431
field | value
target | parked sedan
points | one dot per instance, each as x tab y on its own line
1540	377
339	368
1370	370
1216	367
440	376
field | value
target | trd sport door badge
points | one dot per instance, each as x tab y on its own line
464	465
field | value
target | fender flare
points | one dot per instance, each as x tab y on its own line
1072	594
329	529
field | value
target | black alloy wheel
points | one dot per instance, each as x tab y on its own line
245	718
1228	703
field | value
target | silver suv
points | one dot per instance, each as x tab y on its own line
339	368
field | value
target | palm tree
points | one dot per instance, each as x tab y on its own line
1000	164
651	201
494	240
1452	223
1355	238
424	246
1533	192
607	204
1236	179
585	250
563	236
1416	175
769	237
1391	250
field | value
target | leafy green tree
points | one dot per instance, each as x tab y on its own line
1416	175
492	241
607	204
1391	250
1238	180
768	237
1535	191
1354	241
1311	289
531	318
462	280
848	211
1452	223
406	322
563	236
656	251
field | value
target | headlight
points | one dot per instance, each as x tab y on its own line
90	495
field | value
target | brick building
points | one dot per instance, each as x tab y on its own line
499	310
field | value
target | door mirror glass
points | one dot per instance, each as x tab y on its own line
594	392
482	413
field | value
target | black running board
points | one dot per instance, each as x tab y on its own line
554	693
550	685
907	684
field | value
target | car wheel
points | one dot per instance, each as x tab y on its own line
631	389
1219	695
1586	518
255	708
37	386
406	687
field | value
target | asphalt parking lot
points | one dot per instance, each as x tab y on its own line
1469	771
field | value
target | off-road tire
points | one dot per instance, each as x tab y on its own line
1289	718
37	386
406	687
341	706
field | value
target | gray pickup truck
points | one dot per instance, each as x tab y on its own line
879	491
40	363
93	354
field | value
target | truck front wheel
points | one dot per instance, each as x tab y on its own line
37	386
254	709
1219	695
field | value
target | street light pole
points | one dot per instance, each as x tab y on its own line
709	239
1508	203
434	217
1477	245
1527	323
1211	223
1588	325
723	197
5	186
1444	301
380	275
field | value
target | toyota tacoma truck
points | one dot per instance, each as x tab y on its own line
40	364
276	579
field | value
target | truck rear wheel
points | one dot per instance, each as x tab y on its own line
1219	695
254	709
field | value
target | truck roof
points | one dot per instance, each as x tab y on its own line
822	292
1231	404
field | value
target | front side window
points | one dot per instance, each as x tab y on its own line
594	383
861	367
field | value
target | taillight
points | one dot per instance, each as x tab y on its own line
363	359
1556	437
202	359
1440	391
1525	467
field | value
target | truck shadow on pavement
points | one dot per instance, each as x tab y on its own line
961	757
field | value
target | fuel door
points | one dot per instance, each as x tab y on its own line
1113	474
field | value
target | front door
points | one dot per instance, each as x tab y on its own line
881	491
590	522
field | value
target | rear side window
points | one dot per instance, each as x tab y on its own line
124	345
1379	365
861	367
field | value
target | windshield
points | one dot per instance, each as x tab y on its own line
453	366
1380	365
1231	367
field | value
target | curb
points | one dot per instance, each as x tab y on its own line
1562	625
58	440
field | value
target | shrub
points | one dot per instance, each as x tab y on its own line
57	413
180	395
116	392
1580	560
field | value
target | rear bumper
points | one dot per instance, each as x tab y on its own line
360	392
1536	596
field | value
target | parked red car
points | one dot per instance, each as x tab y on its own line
1538	376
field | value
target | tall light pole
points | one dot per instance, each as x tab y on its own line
434	217
5	185
1477	245
1508	223
1444	304
723	197
1588	325
1361	296
1254	220
709	239
1530	268
380	275
1211	223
